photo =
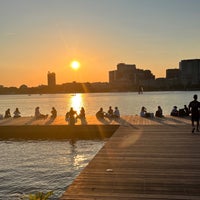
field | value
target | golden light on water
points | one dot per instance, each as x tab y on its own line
76	102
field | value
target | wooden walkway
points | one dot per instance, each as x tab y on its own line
159	159
91	120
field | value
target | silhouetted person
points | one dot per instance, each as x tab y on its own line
81	116
100	114
159	112
116	113
16	113
7	113
140	90
194	109
38	115
71	116
174	111
186	110
109	114
143	112
53	113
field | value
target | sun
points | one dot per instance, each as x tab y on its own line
75	64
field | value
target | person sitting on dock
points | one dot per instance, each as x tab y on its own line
186	110
71	116
174	111
16	113
116	113
109	114
144	113
100	114
159	112
53	113
81	116
38	115
7	113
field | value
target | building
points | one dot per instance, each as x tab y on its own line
127	75
172	73
51	79
190	72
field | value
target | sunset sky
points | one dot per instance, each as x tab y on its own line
37	36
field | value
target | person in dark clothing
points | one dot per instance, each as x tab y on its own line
53	113
186	110
159	112
174	112
109	114
71	116
7	113
81	116
194	107
100	114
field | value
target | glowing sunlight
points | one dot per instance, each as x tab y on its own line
76	102
75	65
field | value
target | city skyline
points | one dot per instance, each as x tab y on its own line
41	36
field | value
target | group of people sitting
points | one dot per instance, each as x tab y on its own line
110	114
144	113
159	112
7	114
181	112
72	116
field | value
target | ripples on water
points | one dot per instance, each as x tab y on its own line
32	166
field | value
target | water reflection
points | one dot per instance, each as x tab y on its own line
76	101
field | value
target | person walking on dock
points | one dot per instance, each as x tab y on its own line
194	107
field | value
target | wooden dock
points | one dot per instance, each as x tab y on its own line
92	120
30	128
145	159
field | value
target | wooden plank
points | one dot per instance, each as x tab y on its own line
143	162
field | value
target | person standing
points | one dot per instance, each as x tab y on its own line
194	109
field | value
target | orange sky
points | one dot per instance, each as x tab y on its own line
36	38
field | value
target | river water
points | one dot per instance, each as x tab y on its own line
31	166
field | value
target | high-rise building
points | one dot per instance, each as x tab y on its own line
127	74
190	72
51	79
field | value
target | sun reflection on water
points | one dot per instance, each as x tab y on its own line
76	101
